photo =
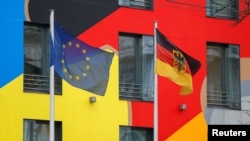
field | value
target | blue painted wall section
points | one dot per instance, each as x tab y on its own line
11	48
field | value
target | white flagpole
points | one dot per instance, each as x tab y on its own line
155	88
52	120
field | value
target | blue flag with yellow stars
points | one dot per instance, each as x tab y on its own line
80	64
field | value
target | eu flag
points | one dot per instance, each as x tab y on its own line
80	64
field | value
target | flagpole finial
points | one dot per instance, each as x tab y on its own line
155	23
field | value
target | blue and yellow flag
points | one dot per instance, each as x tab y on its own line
80	64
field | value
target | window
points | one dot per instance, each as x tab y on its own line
38	130
223	75
223	8
145	4
136	133
136	72
36	57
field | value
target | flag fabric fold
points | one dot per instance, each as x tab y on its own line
81	65
175	64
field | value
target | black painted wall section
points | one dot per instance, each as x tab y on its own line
74	15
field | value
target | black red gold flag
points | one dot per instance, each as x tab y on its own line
174	64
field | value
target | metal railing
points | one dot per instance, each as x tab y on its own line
135	91
218	98
41	84
141	3
146	4
222	9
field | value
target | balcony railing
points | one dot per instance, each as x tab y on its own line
41	84
145	4
136	92
222	99
218	98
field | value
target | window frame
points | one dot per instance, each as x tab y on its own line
139	88
127	130
141	4
35	82
218	10
58	127
232	100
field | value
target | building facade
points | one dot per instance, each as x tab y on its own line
215	32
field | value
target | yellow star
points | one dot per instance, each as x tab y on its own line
62	61
70	43
64	70
77	45
77	77
70	76
84	74
87	58
84	51
64	46
87	67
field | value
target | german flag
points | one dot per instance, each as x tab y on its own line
175	64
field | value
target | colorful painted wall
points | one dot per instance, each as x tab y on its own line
98	23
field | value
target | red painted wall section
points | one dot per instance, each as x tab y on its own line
184	26
187	26
142	114
230	31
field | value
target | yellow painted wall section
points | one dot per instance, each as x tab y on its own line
81	119
194	130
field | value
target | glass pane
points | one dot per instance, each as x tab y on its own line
34	131
127	66
124	2
135	134
148	67
38	130
219	7
222	8
127	59
124	133
33	50
208	8
214	82
234	76
138	3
